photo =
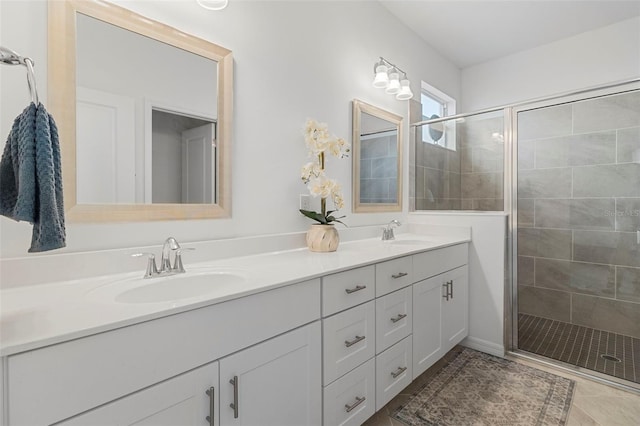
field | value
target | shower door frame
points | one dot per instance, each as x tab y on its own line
511	201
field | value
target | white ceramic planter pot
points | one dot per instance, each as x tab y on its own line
323	238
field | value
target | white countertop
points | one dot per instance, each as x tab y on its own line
40	315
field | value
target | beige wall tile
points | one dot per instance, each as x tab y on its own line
615	248
628	284
606	314
544	303
609	112
587	278
552	243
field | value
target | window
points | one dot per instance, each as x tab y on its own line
437	103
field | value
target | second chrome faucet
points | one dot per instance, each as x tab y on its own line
170	245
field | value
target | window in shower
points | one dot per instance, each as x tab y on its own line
435	104
578	233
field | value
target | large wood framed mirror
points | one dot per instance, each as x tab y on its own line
377	159
144	113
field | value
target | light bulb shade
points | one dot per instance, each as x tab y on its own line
394	83
381	80
213	4
405	92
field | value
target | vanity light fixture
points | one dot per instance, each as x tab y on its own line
213	4
387	77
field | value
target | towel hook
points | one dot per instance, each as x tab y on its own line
10	57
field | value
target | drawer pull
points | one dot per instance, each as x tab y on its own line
399	275
451	287
446	291
234	404
354	341
359	401
357	288
212	408
398	318
398	372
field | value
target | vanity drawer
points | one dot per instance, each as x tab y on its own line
393	371
53	383
346	289
348	340
350	400
393	318
393	275
431	263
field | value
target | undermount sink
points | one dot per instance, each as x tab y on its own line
169	288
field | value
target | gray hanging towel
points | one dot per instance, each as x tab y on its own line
31	178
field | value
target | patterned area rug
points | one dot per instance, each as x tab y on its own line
480	389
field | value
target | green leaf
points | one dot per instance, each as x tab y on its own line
315	216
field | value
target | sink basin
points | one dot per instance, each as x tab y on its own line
170	288
408	242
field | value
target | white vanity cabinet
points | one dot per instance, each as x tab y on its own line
440	305
190	399
58	382
275	383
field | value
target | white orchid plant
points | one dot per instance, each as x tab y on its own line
319	141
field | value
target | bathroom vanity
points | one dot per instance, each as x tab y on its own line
305	338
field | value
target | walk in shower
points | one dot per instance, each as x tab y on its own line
571	178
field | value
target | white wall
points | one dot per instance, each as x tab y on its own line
608	54
293	60
486	273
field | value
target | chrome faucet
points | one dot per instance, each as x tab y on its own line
387	232
169	245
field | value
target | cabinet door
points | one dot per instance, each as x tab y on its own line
427	337
455	312
276	382
183	400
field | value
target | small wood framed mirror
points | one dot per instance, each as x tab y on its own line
377	159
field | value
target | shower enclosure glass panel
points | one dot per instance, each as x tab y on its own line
578	233
464	173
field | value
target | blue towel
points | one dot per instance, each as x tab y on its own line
31	178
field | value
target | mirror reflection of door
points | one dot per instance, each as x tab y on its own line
183	159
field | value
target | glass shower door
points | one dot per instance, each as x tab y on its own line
578	233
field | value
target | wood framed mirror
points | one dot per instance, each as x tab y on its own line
144	113
377	159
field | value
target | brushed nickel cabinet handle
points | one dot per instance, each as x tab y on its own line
359	401
357	288
399	275
398	372
212	407
398	318
354	341
234	404
446	291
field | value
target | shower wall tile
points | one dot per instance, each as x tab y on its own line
373	148
545	303
619	180
482	130
576	150
576	277
611	112
593	214
550	243
526	155
436	157
373	189
466	204
526	270
488	158
545	122
420	172
627	214
526	212
455	185
482	185
628	284
615	248
629	145
488	204
365	168
454	161
393	190
549	183
606	314
436	184
466	164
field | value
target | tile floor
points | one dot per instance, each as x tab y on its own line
594	404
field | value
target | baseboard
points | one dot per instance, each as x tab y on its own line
484	346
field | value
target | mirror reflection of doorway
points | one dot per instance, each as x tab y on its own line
183	159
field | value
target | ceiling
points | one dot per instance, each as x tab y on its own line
470	32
